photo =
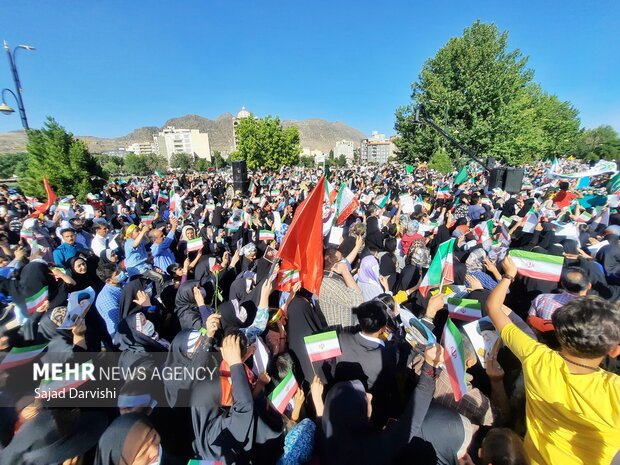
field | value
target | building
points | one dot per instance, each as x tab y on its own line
243	113
190	141
346	148
141	148
376	150
120	152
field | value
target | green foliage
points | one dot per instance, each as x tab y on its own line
599	143
483	94
55	153
181	161
441	161
156	162
9	164
202	164
219	161
306	161
264	143
136	164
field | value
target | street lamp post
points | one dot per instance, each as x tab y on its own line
18	87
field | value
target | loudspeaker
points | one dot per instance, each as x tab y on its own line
513	180
240	176
496	178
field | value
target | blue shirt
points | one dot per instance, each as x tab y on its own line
135	258
108	306
66	252
475	211
162	255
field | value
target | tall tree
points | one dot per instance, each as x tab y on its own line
483	94
181	161
265	143
599	143
55	153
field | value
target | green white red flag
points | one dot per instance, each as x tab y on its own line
35	302
346	203
21	355
284	392
464	309
441	269
454	356
322	346
537	265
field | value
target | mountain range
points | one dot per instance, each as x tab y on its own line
315	134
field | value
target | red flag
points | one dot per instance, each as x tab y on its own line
51	198
302	246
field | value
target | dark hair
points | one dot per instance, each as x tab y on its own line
564	185
280	366
330	259
63	231
389	245
172	269
587	327
372	208
105	271
372	315
574	279
502	446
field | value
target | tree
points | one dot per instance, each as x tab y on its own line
484	95
441	162
155	162
219	161
306	161
181	161
202	164
69	167
9	163
599	143
136	164
341	161
264	143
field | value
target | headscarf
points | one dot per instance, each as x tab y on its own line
185	304
475	261
131	336
236	316
123	439
184	232
369	270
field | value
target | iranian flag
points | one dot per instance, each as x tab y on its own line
506	221
464	309
284	392
162	197
537	265
454	357
20	356
384	200
204	462
584	217
330	192
443	192
346	203
147	219
252	189
322	346
194	245
441	269
484	231
530	222
35	302
286	279
265	235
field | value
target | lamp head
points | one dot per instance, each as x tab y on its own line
4	108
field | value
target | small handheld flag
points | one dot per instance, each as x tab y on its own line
20	356
194	245
284	392
322	346
35	302
464	309
454	356
537	265
265	235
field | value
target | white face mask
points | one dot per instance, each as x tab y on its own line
148	328
159	456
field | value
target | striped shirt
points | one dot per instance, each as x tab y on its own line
545	305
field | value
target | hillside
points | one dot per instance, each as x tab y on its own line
316	134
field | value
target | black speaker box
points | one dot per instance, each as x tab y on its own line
513	180
496	178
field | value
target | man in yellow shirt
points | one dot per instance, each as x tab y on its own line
572	406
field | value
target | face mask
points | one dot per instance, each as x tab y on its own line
148	328
122	277
159	456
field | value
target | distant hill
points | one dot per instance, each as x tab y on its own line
316	134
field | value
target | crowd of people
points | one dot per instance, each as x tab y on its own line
181	270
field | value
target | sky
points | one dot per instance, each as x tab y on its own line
104	68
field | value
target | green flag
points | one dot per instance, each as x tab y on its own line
409	169
613	185
461	176
327	172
